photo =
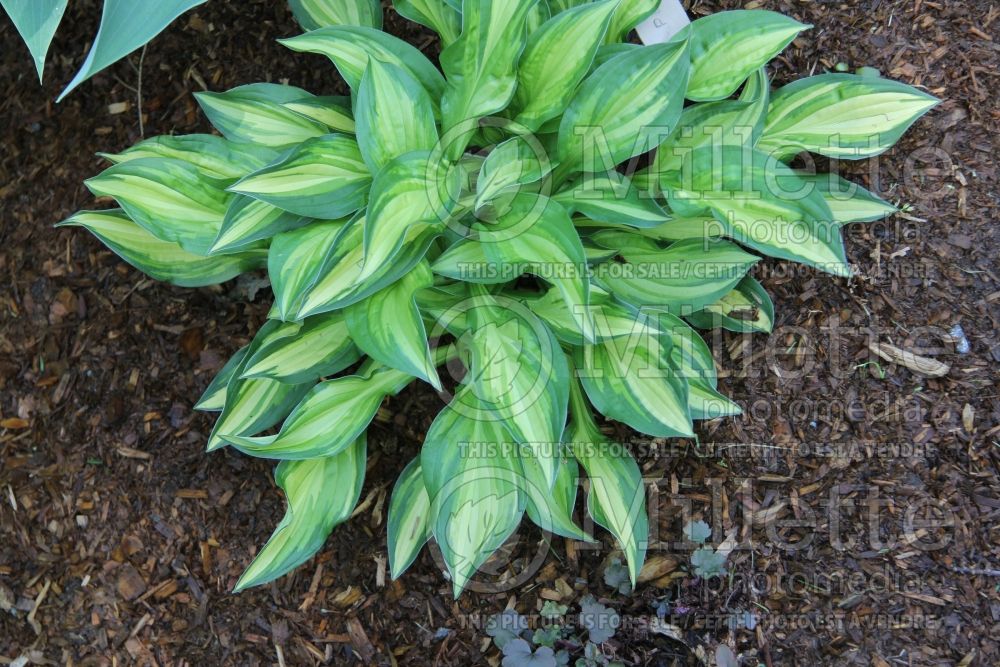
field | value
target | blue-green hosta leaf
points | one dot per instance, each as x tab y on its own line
214	397
315	14
748	308
249	220
537	233
722	123
550	504
480	65
617	498
297	260
613	199
409	518
683	278
350	47
321	493
602	127
343	281
517	373
761	203
846	116
517	161
170	198
438	15
414	192
255	404
256	113
212	155
727	47
297	352
334	111
163	260
848	201
388	327
556	59
629	14
323	177
394	115
36	21
630	379
329	418
474	482
125	26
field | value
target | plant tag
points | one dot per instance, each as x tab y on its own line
665	22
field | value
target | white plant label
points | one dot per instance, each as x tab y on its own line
665	22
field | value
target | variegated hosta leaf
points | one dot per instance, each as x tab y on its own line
438	15
214	397
343	284
761	203
414	192
616	498
608	51
467	261
480	65
517	373
350	48
306	351
314	14
254	404
723	123
409	525
848	201
692	360
629	14
556	59
213	156
630	379
550	505
748	308
727	47
163	260
256	113
611	318
517	161
613	199
394	115
170	198
334	111
556	6
388	327
324	177
296	261
841	115
537	233
602	127
321	493
329	418
474	481
249	220
682	278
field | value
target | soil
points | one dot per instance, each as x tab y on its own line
120	539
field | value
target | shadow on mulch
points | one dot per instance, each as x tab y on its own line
120	539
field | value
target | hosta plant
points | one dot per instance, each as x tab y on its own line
537	229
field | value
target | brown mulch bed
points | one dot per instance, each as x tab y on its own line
120	539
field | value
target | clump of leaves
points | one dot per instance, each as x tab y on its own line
480	217
553	644
705	560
